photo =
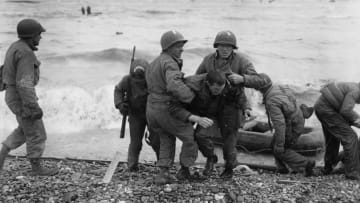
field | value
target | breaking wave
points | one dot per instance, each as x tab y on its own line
124	55
112	54
74	109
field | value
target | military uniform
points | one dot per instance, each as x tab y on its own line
222	109
131	92
334	109
288	122
21	75
236	63
165	83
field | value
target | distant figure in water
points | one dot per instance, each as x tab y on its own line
83	10
88	10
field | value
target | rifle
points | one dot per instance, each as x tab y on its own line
123	122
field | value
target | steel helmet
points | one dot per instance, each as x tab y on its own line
169	38
265	81
225	37
139	63
28	28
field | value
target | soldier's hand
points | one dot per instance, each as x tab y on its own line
357	123
247	113
37	114
205	122
202	121
124	108
236	78
31	111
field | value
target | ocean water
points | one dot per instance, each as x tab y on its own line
302	43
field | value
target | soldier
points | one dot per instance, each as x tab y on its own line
288	120
218	100
21	75
165	84
130	97
335	110
239	71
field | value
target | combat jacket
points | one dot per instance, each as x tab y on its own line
283	110
236	63
21	70
132	91
222	107
165	80
343	96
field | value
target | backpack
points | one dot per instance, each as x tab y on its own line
2	84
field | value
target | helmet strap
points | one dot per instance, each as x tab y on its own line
30	43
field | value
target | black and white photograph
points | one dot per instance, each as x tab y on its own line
179	101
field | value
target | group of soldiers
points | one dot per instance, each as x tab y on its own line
158	97
214	100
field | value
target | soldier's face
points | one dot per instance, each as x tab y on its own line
177	49
224	50
139	73
215	88
36	39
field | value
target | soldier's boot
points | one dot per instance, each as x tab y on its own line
307	111
134	167
183	173
353	177
327	170
3	154
209	167
227	173
38	170
282	170
163	177
309	168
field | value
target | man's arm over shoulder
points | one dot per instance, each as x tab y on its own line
175	83
203	65
251	77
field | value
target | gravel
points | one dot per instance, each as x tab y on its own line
80	181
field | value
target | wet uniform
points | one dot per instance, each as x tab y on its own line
288	122
335	110
222	109
135	89
21	75
165	84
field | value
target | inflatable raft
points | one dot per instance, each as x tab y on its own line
257	139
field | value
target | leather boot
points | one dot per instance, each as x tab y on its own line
327	170
307	111
183	173
309	168
209	167
352	177
38	170
282	170
134	168
3	154
227	173
163	177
